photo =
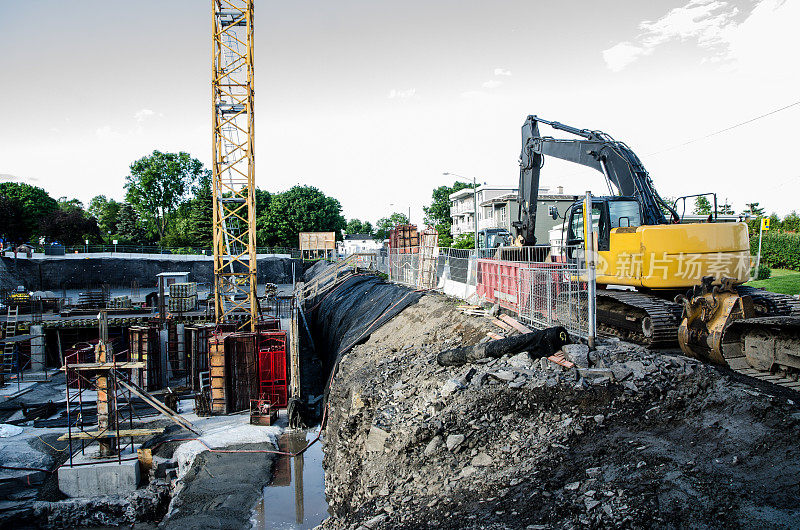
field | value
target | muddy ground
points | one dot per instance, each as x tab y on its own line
628	438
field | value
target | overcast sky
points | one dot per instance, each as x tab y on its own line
371	101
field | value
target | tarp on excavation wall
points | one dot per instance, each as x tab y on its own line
348	314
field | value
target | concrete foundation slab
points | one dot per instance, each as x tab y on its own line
99	479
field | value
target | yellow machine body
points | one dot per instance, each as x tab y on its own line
674	257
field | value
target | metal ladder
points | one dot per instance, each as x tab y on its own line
7	365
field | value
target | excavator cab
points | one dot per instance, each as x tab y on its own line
607	213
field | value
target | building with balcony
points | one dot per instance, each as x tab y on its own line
497	208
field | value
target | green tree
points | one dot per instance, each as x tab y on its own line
70	226
158	184
13	226
263	198
702	206
445	237
299	209
200	218
465	241
354	226
726	208
791	222
438	212
385	224
753	209
128	227
32	204
106	211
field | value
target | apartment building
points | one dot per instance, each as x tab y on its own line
497	208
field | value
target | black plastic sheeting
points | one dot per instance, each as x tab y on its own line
350	313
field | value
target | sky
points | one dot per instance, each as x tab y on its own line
371	101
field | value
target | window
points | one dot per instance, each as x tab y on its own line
502	213
624	213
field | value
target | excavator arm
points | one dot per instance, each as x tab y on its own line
597	150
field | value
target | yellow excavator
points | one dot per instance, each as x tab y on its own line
686	278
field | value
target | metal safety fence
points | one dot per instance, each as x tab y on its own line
541	288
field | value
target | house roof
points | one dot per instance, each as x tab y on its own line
350	237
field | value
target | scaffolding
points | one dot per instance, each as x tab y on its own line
234	163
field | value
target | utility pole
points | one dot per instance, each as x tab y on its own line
233	184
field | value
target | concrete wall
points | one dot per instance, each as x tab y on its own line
57	273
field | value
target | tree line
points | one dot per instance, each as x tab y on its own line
169	202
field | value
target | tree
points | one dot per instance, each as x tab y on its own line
445	237
791	222
159	183
128	228
439	210
32	204
385	224
354	226
465	241
726	208
702	206
106	211
200	218
263	198
69	227
13	226
438	213
753	210
299	209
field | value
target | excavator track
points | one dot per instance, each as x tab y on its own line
638	317
754	332
777	328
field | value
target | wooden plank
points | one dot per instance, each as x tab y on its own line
123	433
106	366
156	404
502	325
514	323
494	336
559	359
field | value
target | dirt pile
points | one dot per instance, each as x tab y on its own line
628	437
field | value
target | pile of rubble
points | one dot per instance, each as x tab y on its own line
625	437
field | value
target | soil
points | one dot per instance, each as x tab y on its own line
629	437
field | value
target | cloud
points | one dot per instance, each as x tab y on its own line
402	94
621	55
143	114
5	177
106	132
708	23
473	94
492	83
502	72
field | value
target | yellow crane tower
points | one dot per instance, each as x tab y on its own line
234	164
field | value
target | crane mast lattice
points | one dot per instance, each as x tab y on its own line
234	163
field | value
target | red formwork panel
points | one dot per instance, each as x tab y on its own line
272	379
511	283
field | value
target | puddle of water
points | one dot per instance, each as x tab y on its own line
296	496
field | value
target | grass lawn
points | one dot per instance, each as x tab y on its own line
782	281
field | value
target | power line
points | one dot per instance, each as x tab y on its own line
726	129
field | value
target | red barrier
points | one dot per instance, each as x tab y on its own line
272	379
511	283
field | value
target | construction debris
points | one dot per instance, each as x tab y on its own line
633	438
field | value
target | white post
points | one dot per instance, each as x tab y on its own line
758	257
588	253
475	215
